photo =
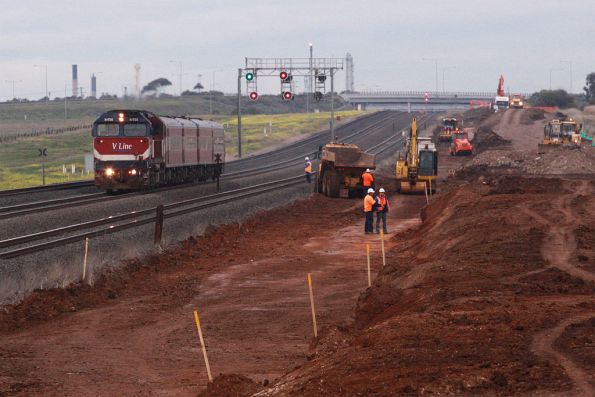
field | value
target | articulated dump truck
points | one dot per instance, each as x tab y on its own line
340	170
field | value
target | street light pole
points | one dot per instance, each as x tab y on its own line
443	70
570	67
553	70
436	64
46	78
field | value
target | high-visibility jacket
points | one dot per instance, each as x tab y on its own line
369	203
382	204
308	167
368	179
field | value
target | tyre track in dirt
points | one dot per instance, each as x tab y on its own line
557	249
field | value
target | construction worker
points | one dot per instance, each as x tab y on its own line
382	208
308	169
369	203
367	181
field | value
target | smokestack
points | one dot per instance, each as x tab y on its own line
93	86
75	81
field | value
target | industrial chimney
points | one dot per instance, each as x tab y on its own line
93	86
75	81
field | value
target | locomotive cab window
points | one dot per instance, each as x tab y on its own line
108	130
135	130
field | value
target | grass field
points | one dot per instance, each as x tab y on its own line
20	164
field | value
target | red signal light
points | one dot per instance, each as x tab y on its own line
253	95
287	96
283	75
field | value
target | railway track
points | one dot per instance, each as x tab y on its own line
113	224
70	202
313	139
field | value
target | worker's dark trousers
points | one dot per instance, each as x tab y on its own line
369	227
381	216
308	177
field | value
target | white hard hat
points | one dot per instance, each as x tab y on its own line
370	190
307	158
381	190
367	170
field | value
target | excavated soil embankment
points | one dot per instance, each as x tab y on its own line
482	299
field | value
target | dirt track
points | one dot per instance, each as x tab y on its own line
492	294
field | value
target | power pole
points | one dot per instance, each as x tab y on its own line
332	104
309	90
239	113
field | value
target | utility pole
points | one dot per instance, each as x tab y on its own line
309	90
239	113
332	104
570	67
13	82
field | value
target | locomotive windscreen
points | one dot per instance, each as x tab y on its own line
122	123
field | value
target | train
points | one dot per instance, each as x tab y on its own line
137	149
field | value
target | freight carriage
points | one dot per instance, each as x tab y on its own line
136	149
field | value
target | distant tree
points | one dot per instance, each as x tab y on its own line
199	87
589	88
559	98
154	86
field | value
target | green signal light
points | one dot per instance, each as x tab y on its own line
249	76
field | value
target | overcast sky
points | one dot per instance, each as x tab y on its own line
524	40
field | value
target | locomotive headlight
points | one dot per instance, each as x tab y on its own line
109	171
133	172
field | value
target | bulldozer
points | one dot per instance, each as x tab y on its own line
340	169
417	170
449	125
460	144
558	133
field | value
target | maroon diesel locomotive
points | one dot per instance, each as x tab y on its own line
136	149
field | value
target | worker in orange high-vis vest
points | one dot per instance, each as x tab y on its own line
308	169
369	204
368	179
382	208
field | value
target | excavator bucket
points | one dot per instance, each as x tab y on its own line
415	187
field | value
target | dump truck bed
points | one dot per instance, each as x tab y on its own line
348	156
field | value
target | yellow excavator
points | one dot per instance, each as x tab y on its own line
417	170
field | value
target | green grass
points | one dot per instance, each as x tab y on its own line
260	131
20	164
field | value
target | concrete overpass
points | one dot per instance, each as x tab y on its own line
415	100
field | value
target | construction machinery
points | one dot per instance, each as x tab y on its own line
449	124
340	170
501	101
460	144
417	169
558	133
516	101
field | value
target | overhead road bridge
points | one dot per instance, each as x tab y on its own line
416	100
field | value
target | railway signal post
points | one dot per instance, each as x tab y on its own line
43	153
286	69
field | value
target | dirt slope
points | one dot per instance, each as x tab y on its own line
471	303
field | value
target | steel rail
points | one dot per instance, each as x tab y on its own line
216	198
